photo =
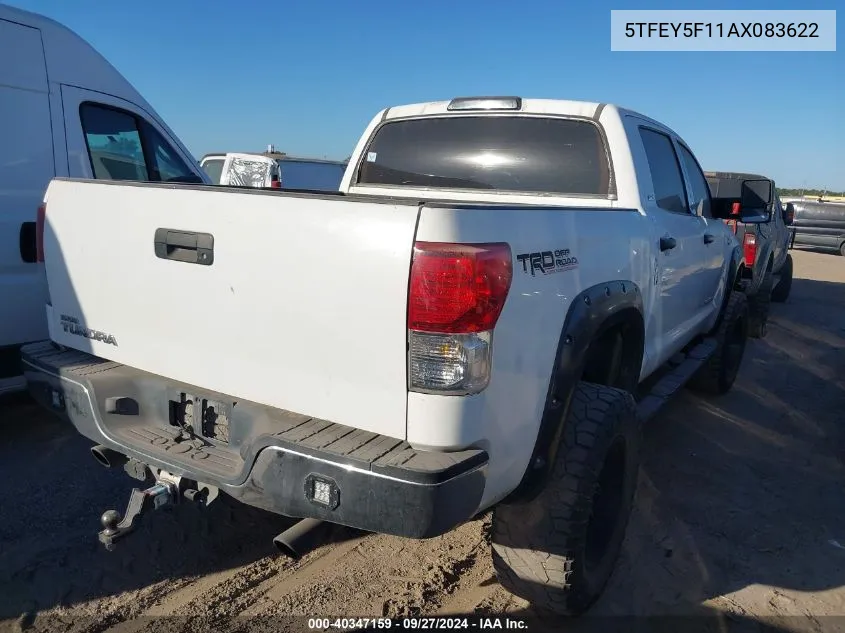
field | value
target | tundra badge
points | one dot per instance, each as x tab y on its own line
71	325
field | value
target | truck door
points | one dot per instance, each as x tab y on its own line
26	167
715	237
112	139
680	244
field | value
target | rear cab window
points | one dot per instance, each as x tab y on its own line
521	154
124	146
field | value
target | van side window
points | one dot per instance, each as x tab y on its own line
669	191
165	163
114	143
123	146
699	194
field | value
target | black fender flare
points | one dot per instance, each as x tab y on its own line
732	282
734	278
593	311
761	263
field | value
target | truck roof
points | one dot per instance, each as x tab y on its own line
555	107
571	107
734	175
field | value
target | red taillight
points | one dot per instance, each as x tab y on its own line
275	183
749	244
736	208
40	220
458	288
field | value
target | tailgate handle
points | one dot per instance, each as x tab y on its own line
185	246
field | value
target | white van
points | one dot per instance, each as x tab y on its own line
64	111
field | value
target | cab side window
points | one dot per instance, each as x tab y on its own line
666	176
165	162
123	146
114	144
699	193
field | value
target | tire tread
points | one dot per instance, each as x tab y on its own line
543	569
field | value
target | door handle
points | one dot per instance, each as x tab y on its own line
184	246
667	243
709	238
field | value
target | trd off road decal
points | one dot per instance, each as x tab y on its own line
547	262
71	325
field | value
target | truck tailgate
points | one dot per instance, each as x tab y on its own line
303	306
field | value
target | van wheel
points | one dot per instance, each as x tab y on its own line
759	306
718	374
558	550
781	291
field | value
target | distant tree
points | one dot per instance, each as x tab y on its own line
815	193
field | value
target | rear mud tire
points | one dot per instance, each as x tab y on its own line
719	373
759	307
781	291
559	549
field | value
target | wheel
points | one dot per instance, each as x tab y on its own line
842	249
558	550
759	306
718	374
781	291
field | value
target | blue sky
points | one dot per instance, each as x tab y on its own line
308	76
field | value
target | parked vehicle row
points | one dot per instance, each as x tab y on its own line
767	270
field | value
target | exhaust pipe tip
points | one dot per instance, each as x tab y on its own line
108	457
299	538
285	548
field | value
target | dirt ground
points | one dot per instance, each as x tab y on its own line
739	513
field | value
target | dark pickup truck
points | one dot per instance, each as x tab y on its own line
767	273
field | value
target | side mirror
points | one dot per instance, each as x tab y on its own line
789	214
755	201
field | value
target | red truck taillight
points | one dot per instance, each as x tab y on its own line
456	295
749	245
40	220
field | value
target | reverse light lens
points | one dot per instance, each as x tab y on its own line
449	363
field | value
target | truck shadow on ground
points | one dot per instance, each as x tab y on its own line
739	506
52	496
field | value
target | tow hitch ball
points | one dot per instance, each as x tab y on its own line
162	493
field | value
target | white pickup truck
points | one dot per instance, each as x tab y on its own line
483	316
